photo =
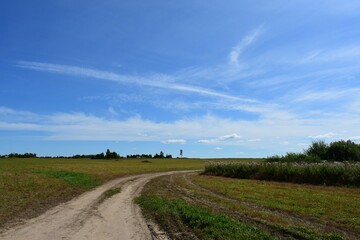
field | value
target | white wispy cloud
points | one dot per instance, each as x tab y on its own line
218	148
340	54
112	111
205	141
327	94
155	80
244	43
254	140
354	138
219	139
325	135
177	141
230	136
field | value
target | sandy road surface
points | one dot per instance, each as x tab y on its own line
86	218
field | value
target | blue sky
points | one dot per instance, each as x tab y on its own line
214	78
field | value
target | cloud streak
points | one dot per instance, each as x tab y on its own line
244	43
156	80
176	141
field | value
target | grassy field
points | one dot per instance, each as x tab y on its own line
30	186
263	209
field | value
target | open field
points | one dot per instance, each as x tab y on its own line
187	206
30	186
266	210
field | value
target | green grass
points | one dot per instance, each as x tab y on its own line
204	224
112	192
335	206
80	180
324	173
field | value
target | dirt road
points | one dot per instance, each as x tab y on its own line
87	217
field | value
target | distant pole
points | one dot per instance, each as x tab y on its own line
181	152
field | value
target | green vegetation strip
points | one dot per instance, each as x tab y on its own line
205	224
112	192
80	180
324	173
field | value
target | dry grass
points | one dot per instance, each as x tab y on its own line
28	187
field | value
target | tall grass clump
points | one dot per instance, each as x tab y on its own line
323	173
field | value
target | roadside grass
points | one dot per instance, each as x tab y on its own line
205	224
324	173
280	224
333	206
30	186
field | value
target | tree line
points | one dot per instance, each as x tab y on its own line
107	155
338	151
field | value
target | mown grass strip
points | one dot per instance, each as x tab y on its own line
205	224
325	173
80	180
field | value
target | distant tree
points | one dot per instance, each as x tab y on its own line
318	148
181	152
25	155
344	151
111	155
